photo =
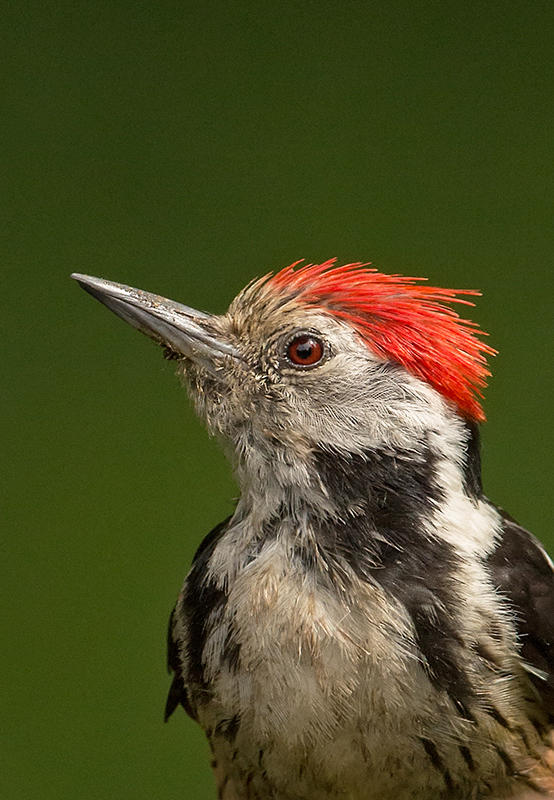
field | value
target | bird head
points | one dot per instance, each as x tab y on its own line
326	357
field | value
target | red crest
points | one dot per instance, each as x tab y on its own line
402	319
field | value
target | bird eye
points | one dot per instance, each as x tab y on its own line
305	350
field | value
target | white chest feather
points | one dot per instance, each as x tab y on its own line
328	691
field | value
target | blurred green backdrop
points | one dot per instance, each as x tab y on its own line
185	148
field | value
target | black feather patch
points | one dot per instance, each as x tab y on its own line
472	463
200	599
521	571
228	728
437	762
177	694
387	544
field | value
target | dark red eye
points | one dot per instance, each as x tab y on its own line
305	350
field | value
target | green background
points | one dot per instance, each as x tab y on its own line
185	148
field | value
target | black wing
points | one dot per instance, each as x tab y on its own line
178	694
523	572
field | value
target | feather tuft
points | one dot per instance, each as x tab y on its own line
403	319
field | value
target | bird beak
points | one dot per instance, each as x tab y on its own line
183	330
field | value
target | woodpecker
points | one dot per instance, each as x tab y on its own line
367	624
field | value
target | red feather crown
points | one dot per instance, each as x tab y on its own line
402	320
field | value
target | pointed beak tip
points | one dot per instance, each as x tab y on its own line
78	276
169	323
87	282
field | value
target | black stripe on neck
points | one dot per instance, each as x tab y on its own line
393	489
388	545
472	462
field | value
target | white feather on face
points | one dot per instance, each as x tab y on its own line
352	400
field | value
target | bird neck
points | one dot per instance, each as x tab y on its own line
383	515
431	486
